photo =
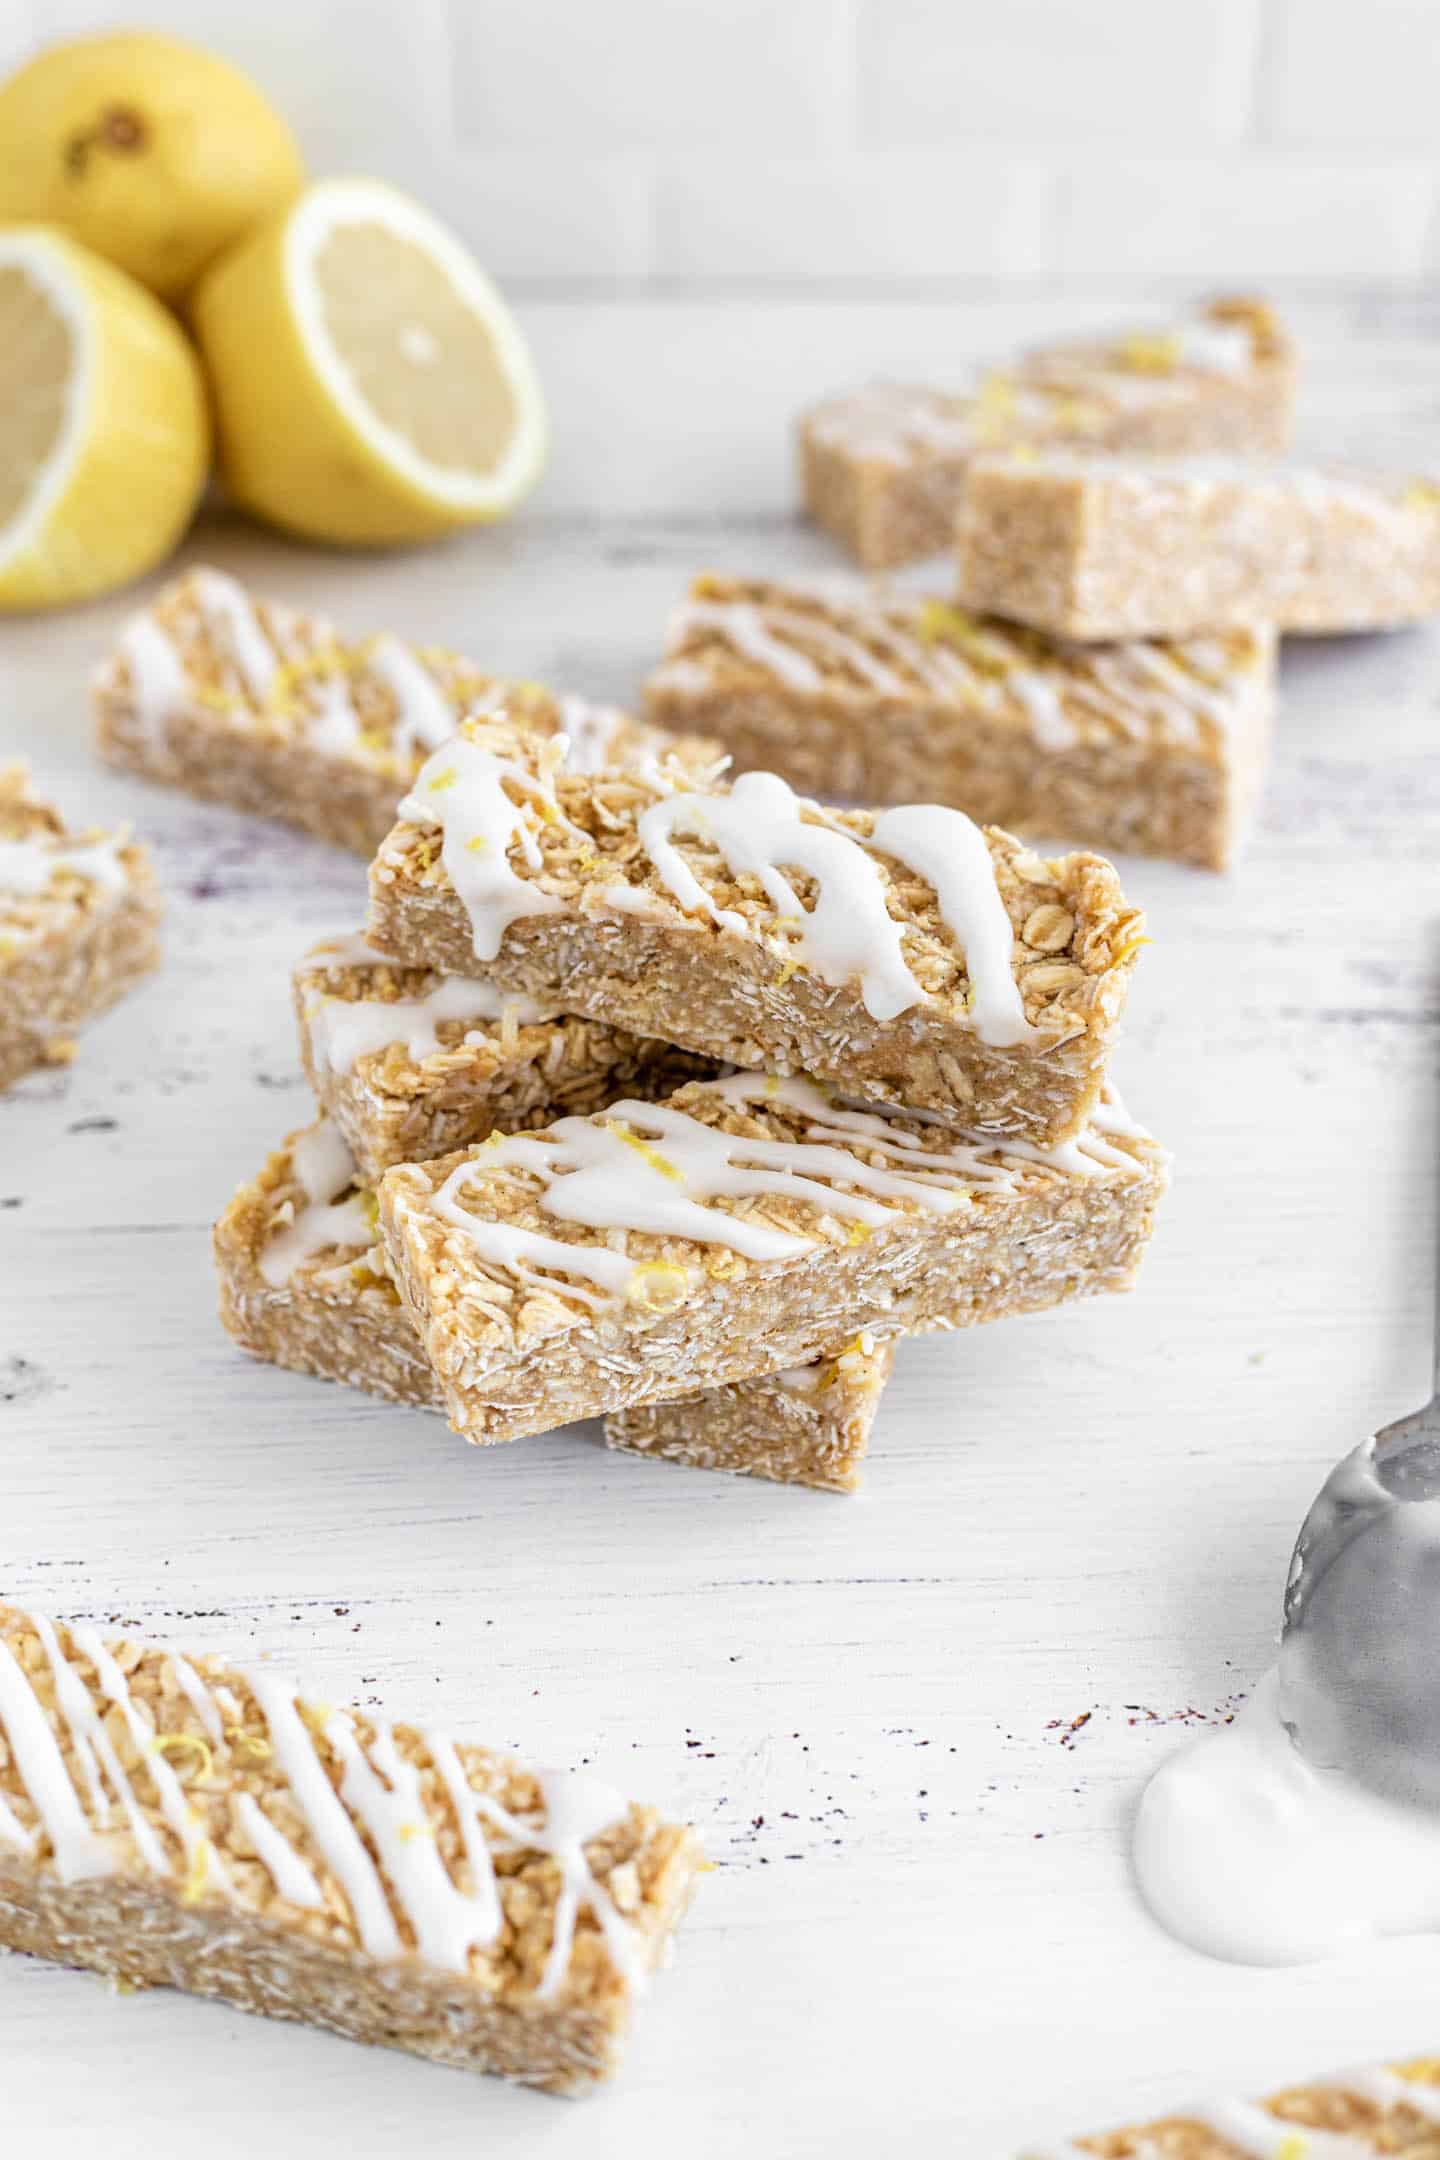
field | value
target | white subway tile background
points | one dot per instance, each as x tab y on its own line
863	143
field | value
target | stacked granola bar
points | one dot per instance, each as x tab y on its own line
674	1101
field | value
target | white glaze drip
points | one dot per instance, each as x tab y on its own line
424	716
325	1816
94	1748
40	1766
343	1030
1040	698
28	866
292	1878
590	732
756	828
157	679
174	1806
334	725
1260	2135
324	1168
948	850
650	1168
1387	2089
227	609
462	790
379	1789
200	1699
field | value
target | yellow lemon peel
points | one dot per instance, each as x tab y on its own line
184	1743
657	1285
1146	354
647	1154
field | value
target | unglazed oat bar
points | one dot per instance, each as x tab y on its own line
174	1823
1344	2117
304	1283
254	705
1157	748
882	468
901	955
741	1228
809	1425
1090	547
79	926
411	1064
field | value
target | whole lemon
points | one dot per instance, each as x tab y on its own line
153	153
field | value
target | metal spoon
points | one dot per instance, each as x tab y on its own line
1360	1644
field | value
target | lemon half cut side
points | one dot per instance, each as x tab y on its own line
371	384
104	439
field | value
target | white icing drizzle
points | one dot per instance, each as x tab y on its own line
343	1030
334	725
948	850
462	790
379	1791
590	731
1260	2135
157	678
448	1922
647	1167
174	1806
1386	2089
40	1766
1215	348
199	1697
758	826
424	716
1128	685
289	1873
1040	698
325	1815
324	1168
227	609
92	1741
28	866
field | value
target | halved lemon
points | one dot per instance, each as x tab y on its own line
370	383
104	438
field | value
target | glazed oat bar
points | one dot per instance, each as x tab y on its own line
411	1064
882	468
304	1283
914	957
1389	2110
175	1823
809	1425
657	1250
247	703
79	926
1088	547
1157	748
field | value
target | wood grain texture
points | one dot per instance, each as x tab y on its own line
921	1921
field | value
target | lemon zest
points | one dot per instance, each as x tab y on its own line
185	1743
657	1285
1148	354
648	1154
197	1874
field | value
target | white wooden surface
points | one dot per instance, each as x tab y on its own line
921	1924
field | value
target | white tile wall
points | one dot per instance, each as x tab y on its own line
860	142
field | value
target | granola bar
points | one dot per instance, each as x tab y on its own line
809	1425
883	468
657	1250
79	926
1091	547
1389	2110
411	1064
1155	748
914	958
175	1823
304	1283
247	703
